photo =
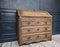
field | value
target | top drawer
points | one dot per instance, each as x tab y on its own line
26	21
30	18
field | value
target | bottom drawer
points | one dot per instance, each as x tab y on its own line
29	38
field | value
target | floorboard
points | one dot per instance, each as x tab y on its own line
1	44
25	46
8	44
51	44
4	45
36	45
15	44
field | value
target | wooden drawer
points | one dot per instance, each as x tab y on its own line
42	37
48	29
35	37
27	18
35	23
49	23
28	21
28	30
28	38
30	18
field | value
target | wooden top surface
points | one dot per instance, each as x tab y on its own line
33	13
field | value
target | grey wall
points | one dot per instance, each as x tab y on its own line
50	5
53	6
20	4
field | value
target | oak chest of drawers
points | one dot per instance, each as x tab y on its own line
34	26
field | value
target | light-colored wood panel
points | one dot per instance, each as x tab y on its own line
33	13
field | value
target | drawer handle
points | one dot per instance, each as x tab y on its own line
28	16
45	28
38	29
28	30
38	37
45	22
28	38
38	22
28	23
44	36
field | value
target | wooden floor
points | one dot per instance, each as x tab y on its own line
54	43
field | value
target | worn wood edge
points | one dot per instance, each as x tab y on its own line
33	13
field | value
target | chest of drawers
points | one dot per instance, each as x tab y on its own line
34	26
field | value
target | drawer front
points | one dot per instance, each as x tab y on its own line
35	38
35	18
48	29
26	39
42	37
49	36
30	38
27	23
34	21
33	30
